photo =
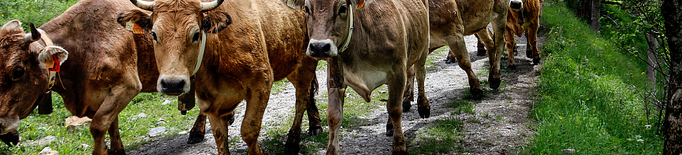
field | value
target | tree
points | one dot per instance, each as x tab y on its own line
672	125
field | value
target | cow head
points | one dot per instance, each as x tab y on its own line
516	5
329	24
23	73
177	27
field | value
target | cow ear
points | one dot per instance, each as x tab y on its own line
294	4
136	21
14	24
363	3
47	53
215	22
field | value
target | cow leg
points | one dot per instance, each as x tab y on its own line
220	133
422	101
511	47
499	24
408	95
531	35
389	127
481	47
113	104
256	102
115	136
196	135
314	121
458	49
396	87
302	79
336	91
11	138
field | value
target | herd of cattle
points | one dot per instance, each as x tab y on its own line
236	49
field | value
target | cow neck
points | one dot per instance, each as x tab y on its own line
201	53
48	43
350	30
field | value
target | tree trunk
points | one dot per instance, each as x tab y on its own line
652	59
595	9
672	125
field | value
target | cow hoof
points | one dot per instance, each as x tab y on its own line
449	60
481	52
11	138
291	149
512	67
400	152
536	61
494	82
230	119
406	105
529	53
315	130
476	93
389	132
195	137
117	152
424	112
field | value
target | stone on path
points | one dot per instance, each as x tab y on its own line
157	131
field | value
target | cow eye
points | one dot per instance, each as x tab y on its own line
343	9
17	73
154	35
307	11
196	36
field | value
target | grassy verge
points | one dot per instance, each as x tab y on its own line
79	141
586	96
37	11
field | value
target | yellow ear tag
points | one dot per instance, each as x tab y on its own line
137	29
361	4
49	64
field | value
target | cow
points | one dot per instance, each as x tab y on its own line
234	50
525	19
520	20
367	44
112	66
450	21
27	71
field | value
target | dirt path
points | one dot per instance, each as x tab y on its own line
501	126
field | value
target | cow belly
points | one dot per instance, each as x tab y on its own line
364	81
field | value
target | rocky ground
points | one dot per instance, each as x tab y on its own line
502	126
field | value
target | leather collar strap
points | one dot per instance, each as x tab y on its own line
201	53
48	42
350	30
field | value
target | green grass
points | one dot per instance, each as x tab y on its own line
440	137
37	11
133	131
587	100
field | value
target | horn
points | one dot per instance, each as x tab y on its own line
143	4
208	6
33	36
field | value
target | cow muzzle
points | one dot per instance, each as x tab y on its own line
173	86
516	5
322	48
9	124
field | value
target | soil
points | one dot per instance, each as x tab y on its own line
502	126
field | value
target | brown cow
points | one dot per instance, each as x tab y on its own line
104	76
450	21
525	20
368	44
249	45
23	67
519	20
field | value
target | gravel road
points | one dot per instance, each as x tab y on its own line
502	125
